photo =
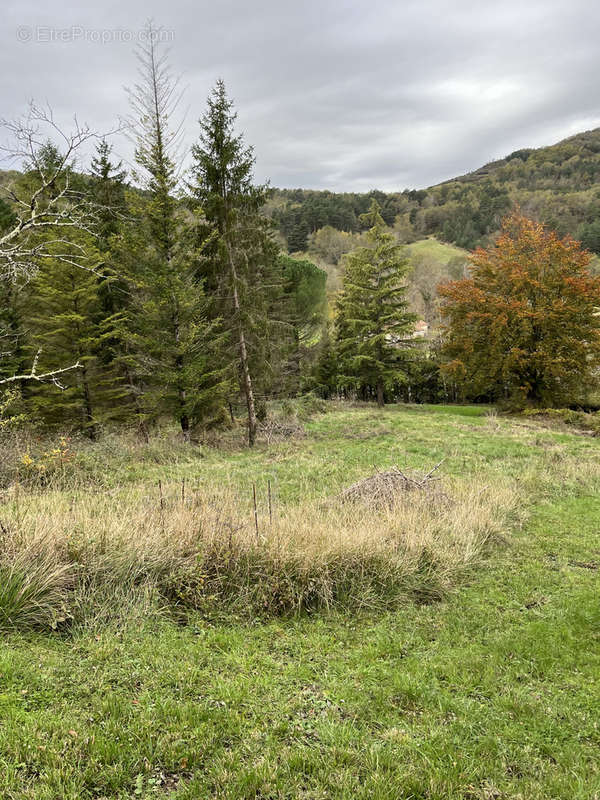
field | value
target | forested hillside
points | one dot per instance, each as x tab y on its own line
557	185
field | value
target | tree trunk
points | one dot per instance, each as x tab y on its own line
87	403
246	377
184	419
248	391
139	411
380	402
185	426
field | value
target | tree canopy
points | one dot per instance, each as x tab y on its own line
525	325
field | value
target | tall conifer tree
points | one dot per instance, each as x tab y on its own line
170	334
244	277
66	325
373	324
108	192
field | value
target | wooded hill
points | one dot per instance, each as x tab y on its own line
557	185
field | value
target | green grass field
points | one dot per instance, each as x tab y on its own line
435	249
491	693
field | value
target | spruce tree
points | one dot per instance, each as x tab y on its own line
324	377
47	316
14	299
303	311
108	193
117	282
66	327
243	278
170	335
373	324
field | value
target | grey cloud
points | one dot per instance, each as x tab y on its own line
341	95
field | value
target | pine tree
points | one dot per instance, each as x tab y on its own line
243	275
170	335
66	327
372	324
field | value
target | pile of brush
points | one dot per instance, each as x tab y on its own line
384	489
277	430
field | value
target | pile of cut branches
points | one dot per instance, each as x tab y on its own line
276	430
384	489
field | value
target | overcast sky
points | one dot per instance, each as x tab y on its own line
334	94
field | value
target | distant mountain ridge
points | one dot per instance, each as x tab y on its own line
585	145
558	184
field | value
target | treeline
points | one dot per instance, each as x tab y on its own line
521	329
171	297
558	186
456	213
166	292
301	212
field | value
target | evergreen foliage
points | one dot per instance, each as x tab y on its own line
172	299
557	185
305	306
69	328
170	335
243	268
373	324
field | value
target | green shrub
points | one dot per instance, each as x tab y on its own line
311	405
261	411
287	409
580	419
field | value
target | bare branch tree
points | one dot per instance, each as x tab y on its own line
155	100
51	205
42	377
48	212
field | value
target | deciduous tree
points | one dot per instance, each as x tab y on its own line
525	325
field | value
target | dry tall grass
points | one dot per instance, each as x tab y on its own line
111	554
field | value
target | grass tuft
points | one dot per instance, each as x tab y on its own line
33	591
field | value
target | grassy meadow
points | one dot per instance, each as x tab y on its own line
163	636
435	249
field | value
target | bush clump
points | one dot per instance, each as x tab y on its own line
584	420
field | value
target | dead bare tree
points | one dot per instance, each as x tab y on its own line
47	211
50	205
34	375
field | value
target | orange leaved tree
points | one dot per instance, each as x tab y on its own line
526	324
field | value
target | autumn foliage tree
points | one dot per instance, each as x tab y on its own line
525	325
